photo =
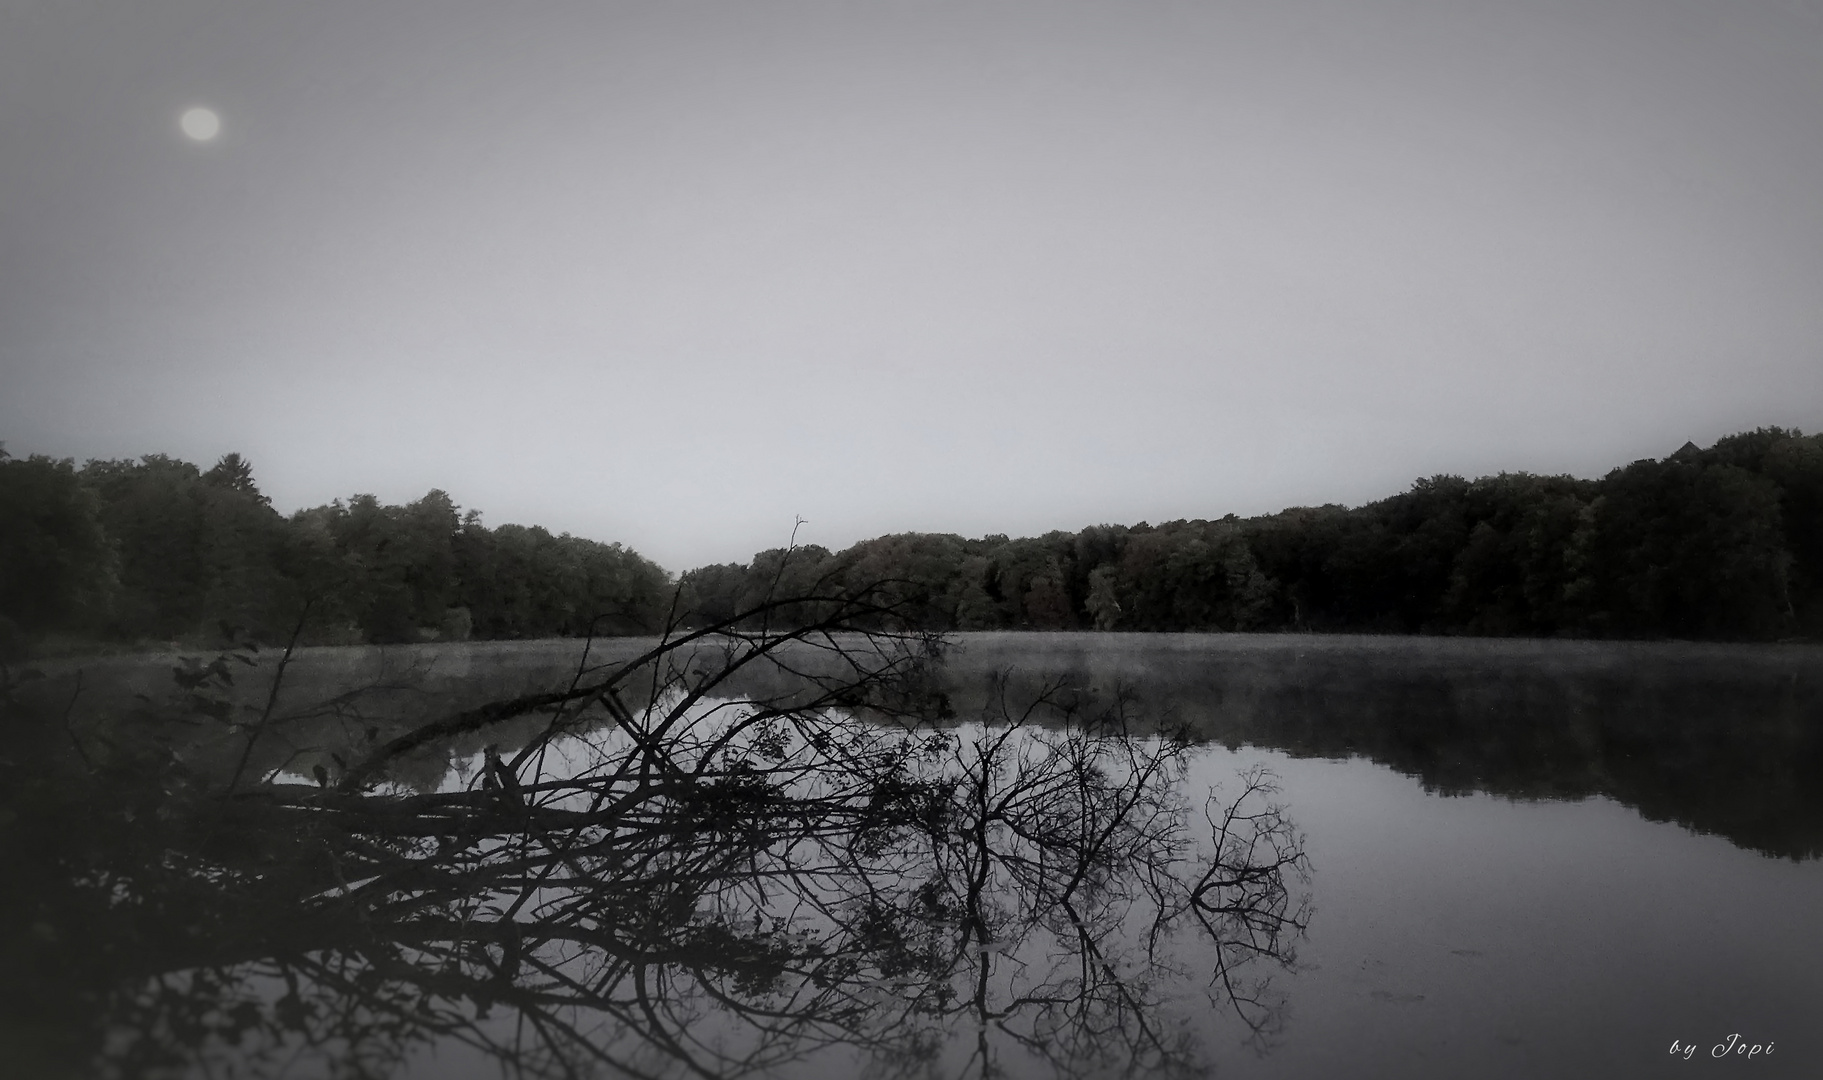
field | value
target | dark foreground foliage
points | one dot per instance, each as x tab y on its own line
738	852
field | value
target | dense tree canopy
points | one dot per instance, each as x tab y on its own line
1722	543
56	565
159	549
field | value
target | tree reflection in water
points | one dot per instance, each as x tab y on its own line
744	853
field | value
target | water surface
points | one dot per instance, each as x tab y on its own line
1526	858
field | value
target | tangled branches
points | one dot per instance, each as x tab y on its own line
742	849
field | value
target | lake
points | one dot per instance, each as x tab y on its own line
1512	858
1529	858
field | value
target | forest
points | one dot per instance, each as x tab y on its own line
159	550
1723	543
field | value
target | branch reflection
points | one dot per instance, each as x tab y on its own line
678	874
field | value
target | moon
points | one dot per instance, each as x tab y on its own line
200	124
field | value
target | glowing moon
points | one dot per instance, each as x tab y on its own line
200	124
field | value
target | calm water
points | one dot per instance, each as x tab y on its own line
1491	896
1474	935
1526	859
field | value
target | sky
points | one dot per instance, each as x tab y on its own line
678	274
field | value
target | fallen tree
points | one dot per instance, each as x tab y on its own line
741	849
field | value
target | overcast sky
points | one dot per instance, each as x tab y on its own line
672	274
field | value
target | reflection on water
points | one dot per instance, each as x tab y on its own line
678	883
1720	739
838	857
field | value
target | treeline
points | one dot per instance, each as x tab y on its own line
1724	543
158	549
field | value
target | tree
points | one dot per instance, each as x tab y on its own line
196	549
1103	604
1689	550
57	568
1796	465
1514	574
738	851
234	473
